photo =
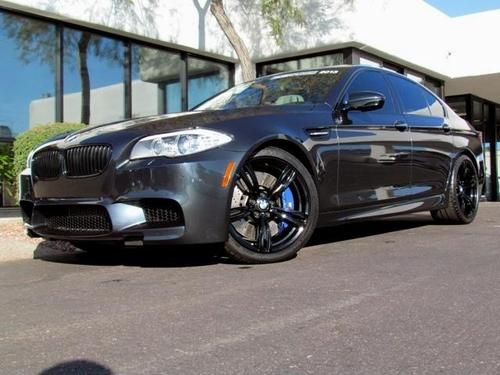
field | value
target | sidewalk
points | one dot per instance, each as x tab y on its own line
15	244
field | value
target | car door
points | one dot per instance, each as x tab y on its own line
374	147
431	136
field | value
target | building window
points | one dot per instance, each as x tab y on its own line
205	79
392	67
304	63
415	77
27	72
434	86
93	78
368	61
459	106
497	156
93	84
156	87
477	114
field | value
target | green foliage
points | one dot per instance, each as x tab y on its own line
32	138
6	164
278	14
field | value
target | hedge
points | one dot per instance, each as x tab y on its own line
6	164
30	139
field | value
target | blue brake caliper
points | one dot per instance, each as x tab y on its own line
288	204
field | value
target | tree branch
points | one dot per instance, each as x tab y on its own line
247	67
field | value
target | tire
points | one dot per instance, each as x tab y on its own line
463	194
274	208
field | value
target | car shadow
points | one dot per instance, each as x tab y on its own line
368	228
199	256
148	256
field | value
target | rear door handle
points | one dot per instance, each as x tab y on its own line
401	126
392	158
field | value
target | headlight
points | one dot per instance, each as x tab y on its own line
179	143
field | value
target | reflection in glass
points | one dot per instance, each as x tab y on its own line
93	78
411	95
156	85
297	88
205	79
435	106
305	63
27	66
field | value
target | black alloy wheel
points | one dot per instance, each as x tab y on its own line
463	196
274	208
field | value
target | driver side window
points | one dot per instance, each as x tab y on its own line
373	81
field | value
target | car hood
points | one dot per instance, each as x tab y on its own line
171	122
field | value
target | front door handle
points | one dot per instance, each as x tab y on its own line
318	132
401	126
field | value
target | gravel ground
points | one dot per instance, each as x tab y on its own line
16	245
13	229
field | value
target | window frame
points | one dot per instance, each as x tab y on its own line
418	86
128	41
396	104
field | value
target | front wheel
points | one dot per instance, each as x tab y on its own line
463	195
274	208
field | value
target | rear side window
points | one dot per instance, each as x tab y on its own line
373	81
411	95
435	106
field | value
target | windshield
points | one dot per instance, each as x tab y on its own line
307	87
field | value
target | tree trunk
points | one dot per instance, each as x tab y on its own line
202	13
83	45
247	67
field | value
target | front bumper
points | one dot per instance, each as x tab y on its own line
150	201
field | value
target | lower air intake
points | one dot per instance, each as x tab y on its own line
72	220
161	212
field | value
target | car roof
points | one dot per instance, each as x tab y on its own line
305	71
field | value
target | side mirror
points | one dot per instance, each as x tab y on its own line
362	101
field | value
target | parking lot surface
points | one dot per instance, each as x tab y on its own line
392	296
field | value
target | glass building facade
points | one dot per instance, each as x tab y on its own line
484	115
54	71
349	55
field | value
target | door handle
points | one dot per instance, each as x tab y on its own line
446	128
318	132
401	125
392	158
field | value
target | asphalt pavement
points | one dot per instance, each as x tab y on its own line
392	296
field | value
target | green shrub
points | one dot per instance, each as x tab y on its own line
30	139
7	164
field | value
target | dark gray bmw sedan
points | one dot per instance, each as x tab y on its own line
260	166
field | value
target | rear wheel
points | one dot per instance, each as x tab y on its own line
274	208
463	196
